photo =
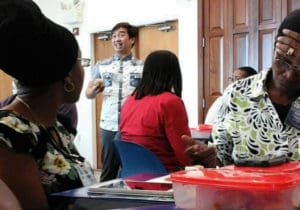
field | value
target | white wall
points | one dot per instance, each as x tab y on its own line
101	15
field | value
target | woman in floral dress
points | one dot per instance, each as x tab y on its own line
37	154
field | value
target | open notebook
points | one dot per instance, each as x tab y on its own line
158	187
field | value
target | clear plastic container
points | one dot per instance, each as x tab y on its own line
215	189
203	131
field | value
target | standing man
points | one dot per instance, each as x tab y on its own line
117	78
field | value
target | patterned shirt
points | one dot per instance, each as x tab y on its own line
249	127
120	78
58	163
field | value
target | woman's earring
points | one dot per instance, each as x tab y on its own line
69	87
172	89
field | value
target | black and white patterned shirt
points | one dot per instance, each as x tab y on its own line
120	78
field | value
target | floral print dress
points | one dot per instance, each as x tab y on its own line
57	162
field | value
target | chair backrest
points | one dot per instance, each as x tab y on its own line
137	159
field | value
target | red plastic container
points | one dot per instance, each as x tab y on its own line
215	189
290	167
205	127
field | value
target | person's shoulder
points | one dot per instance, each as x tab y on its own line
137	62
130	99
8	116
218	101
16	122
8	200
169	98
105	61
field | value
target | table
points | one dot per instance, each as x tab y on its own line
81	199
153	207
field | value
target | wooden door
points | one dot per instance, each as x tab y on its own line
153	37
150	38
5	85
102	49
236	33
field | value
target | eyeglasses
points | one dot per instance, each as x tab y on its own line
85	62
287	65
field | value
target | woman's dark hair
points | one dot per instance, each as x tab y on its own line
161	73
34	50
291	22
248	69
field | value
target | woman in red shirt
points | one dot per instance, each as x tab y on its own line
154	115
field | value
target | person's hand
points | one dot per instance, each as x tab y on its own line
98	85
288	46
200	153
94	87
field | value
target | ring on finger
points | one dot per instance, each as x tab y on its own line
290	51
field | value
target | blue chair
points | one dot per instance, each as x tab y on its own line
137	159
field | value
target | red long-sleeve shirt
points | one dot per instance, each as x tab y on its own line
157	122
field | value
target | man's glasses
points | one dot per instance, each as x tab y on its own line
85	62
287	65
